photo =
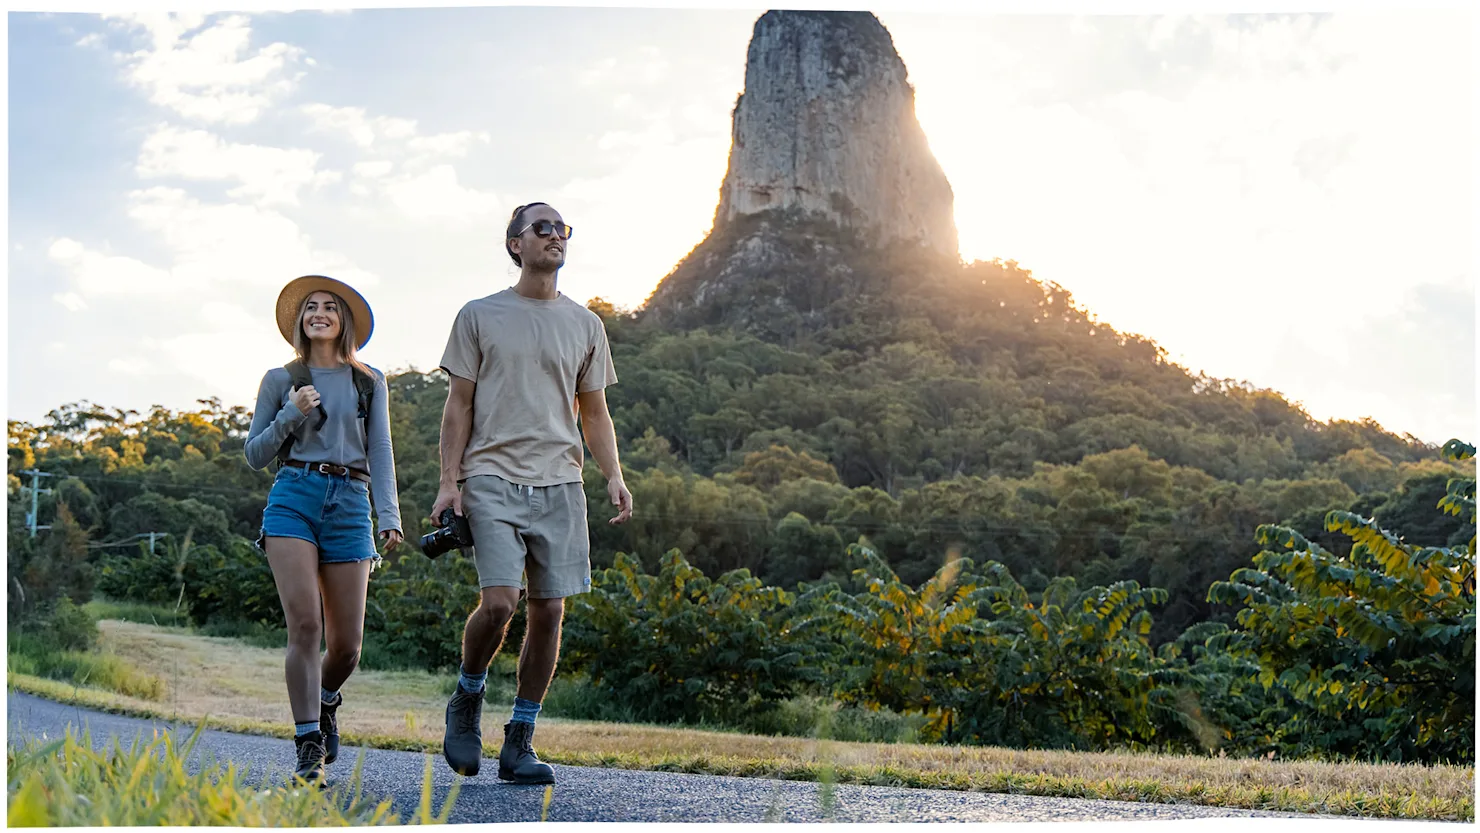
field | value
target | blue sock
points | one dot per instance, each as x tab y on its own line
524	711
327	696
471	683
301	729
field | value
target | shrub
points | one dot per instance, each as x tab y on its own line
679	646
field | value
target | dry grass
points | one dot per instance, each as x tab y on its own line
241	688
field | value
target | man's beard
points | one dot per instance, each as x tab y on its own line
548	261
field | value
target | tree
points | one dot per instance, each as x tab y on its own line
42	570
1377	647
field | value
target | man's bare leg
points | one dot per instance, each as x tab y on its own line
462	745
541	649
484	633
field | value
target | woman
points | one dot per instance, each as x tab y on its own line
316	528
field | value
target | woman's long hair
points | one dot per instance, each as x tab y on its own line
346	345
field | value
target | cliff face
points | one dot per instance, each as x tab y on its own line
828	168
827	126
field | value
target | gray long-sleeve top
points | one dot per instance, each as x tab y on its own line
342	441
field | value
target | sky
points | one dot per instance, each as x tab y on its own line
1283	199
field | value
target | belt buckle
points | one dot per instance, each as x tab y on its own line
322	468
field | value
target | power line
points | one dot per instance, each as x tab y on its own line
107	479
129	540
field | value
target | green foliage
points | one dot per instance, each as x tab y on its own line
678	646
68	783
43	570
86	669
233	583
61	646
148	614
912	646
986	663
809	715
418	606
1377	648
69	627
948	415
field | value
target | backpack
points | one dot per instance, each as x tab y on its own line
364	388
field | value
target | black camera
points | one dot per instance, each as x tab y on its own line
453	534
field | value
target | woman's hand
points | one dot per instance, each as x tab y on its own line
392	539
306	398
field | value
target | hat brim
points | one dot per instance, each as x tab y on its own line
290	301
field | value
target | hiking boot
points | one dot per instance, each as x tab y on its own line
329	728
517	761
462	746
310	757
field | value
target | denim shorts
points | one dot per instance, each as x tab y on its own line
332	511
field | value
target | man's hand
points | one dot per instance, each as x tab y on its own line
446	496
621	498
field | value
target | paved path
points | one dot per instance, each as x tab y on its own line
588	794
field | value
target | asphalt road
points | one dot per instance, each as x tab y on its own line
587	794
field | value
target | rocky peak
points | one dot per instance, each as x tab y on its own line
826	126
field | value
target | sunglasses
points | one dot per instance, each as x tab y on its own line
545	228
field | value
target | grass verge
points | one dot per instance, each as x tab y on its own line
240	687
69	783
136	612
99	666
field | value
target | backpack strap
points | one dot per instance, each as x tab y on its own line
365	390
299	373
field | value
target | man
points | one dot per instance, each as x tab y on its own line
523	365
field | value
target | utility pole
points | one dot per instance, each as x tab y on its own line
35	493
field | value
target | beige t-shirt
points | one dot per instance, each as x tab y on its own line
529	359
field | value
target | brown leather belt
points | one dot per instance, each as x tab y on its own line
329	468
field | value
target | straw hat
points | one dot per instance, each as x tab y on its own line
291	300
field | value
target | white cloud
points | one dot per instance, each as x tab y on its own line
65	249
98	274
437	196
268	175
657	179
213	305
361	128
646	66
228	354
71	300
597	72
213	244
446	144
349	120
658	133
374	169
132	366
213	75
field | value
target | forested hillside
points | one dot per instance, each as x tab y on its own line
969	426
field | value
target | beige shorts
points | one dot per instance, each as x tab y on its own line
533	537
